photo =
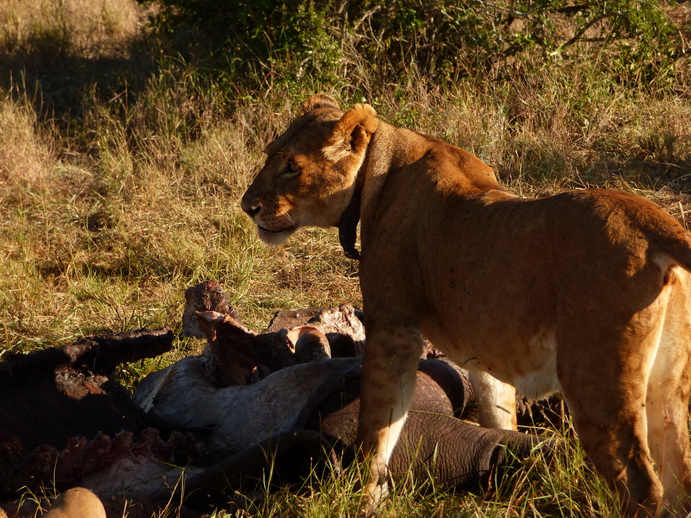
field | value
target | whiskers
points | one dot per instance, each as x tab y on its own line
281	218
288	219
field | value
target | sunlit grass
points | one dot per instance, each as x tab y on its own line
560	483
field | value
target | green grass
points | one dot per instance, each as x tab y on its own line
562	484
122	162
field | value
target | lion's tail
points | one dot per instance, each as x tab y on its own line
672	239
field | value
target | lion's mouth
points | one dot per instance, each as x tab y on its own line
275	237
291	228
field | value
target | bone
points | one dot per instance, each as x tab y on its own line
77	502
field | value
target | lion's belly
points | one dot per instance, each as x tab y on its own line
529	365
542	380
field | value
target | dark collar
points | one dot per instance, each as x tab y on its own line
347	226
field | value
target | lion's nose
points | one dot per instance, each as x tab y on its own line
251	207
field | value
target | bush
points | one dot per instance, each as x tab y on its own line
250	41
442	39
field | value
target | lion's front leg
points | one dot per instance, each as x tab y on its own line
388	383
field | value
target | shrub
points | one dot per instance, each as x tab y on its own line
442	39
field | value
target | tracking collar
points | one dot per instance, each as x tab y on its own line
347	226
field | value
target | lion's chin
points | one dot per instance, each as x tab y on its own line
275	238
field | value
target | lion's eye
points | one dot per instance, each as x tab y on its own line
292	168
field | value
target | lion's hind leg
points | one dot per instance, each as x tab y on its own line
667	400
605	390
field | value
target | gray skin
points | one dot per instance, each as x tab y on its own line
456	453
433	440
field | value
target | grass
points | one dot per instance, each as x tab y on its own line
562	484
122	165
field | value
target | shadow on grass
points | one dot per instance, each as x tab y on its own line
637	168
61	82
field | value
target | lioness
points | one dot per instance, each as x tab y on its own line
585	292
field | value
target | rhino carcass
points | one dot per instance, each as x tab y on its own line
323	396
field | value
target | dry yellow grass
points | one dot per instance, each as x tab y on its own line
87	27
25	156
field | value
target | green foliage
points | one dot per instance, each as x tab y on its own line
442	39
250	40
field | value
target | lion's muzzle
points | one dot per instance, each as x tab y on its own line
251	207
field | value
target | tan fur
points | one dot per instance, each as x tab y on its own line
585	292
77	502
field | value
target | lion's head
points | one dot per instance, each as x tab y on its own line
309	174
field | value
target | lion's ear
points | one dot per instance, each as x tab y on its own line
353	131
317	101
361	114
